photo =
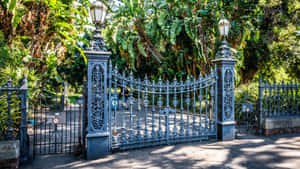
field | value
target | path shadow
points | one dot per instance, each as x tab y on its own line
249	151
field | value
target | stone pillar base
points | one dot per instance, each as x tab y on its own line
281	125
226	130
9	154
97	145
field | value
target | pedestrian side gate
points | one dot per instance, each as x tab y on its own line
56	126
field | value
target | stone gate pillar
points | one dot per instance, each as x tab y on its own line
97	138
224	63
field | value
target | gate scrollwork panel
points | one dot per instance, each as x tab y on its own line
98	97
228	94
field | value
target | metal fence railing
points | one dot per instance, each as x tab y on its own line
277	100
13	114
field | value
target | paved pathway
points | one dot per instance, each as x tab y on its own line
244	152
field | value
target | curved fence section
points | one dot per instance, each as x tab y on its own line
145	112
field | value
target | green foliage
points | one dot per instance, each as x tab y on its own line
245	94
35	37
167	37
15	116
170	36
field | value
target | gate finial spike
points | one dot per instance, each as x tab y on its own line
260	79
175	81
146	79
9	82
266	83
188	80
110	63
200	76
131	74
153	84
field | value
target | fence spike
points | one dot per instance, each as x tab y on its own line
160	103
270	99
115	94
131	133
211	73
287	98
175	106
194	107
167	112
200	107
188	106
278	98
146	102
260	79
296	98
292	98
274	98
181	108
138	124
110	63
153	110
123	133
116	69
200	77
282	97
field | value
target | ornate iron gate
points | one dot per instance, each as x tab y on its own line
146	113
57	126
125	112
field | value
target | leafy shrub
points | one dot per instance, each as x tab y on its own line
245	94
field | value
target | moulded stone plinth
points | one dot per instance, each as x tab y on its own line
97	145
280	125
9	154
226	130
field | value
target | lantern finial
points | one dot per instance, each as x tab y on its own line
98	12
224	26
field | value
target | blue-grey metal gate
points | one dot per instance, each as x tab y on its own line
56	126
146	113
124	112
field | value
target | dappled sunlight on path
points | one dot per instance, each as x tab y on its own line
245	152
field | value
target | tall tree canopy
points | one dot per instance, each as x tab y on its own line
36	35
169	37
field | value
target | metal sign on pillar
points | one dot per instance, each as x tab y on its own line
225	69
97	138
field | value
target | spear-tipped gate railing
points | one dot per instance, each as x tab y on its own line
147	112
